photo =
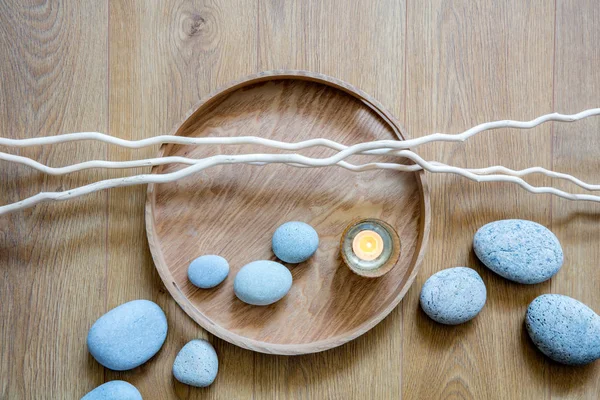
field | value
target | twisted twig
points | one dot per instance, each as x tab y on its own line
352	167
277	158
375	147
150	162
380	144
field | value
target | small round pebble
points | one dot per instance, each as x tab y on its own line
208	271
196	364
261	283
564	329
518	250
129	335
294	242
114	390
453	296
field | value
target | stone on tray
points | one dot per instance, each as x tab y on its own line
564	329
294	242
261	283
196	364
453	296
114	390
129	335
518	250
208	271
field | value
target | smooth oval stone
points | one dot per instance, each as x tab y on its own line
196	364
294	242
129	335
518	250
262	282
564	329
114	390
453	296
208	271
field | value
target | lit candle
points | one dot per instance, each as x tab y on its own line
370	247
367	245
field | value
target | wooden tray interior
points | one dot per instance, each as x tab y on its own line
233	211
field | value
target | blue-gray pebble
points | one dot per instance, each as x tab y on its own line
114	390
294	242
453	296
564	329
196	364
518	250
261	283
208	271
129	335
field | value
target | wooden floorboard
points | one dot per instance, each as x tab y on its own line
576	87
53	74
165	56
133	68
338	32
471	62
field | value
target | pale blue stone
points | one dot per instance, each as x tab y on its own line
208	271
453	296
564	329
262	282
114	390
518	250
129	335
294	242
196	364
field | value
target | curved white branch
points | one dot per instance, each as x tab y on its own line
534	170
444	137
280	158
150	162
390	144
362	167
376	147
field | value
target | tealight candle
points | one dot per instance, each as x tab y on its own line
370	247
367	245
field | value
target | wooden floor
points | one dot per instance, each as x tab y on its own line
133	69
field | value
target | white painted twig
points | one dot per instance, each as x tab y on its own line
391	144
376	147
278	158
149	162
534	170
361	167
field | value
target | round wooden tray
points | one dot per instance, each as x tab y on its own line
233	210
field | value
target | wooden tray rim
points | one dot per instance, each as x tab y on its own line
256	345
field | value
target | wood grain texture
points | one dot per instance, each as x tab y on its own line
52	80
337	38
164	57
133	68
469	63
577	85
233	211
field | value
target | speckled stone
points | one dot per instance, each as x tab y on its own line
294	242
518	250
453	296
129	335
564	329
261	283
208	271
196	364
114	390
